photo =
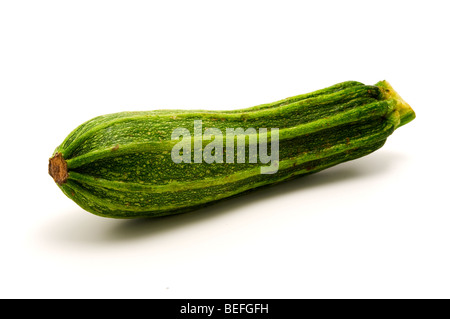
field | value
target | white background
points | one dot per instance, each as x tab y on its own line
376	227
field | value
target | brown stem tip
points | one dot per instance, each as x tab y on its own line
57	168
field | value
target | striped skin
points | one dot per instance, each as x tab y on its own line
119	165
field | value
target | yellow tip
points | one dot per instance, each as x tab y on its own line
407	114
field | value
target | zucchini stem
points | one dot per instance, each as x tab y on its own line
405	111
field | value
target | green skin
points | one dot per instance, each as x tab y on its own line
120	166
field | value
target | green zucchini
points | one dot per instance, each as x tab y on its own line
121	165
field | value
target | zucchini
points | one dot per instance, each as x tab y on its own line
122	165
